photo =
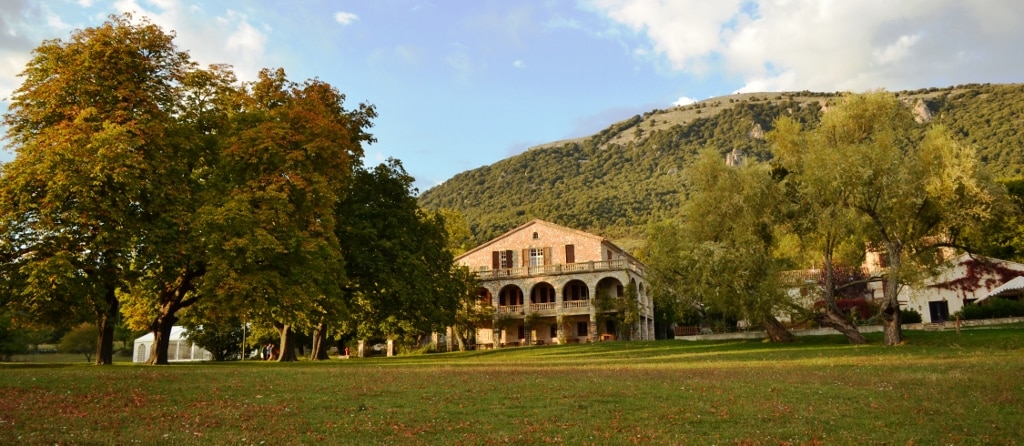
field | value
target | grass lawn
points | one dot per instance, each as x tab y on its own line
940	388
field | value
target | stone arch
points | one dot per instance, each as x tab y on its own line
575	290
611	286
542	293
484	296
510	295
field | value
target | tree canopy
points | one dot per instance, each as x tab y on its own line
147	186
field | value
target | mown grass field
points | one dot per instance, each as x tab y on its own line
940	388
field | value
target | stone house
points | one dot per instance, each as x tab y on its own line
964	279
552	284
960	280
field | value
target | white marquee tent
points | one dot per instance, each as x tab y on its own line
179	348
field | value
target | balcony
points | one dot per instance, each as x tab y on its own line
568	268
543	309
546	309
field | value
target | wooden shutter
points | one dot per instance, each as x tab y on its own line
525	259
495	260
509	261
570	254
547	255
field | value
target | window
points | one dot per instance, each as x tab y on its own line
536	256
502	259
570	254
535	236
581	328
554	331
522	332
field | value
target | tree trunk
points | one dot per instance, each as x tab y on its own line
837	321
776	331
892	317
161	339
833	317
172	299
105	321
287	347
319	352
459	338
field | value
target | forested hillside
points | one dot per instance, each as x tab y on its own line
617	180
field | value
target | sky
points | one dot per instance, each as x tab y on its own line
460	84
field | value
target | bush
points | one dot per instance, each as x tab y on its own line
222	340
994	308
80	340
911	316
12	340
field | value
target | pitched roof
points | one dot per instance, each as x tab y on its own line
1014	286
536	221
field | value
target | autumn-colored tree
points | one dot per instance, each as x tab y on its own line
171	252
274	255
92	125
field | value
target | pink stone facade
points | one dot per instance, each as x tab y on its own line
551	284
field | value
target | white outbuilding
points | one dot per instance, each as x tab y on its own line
179	349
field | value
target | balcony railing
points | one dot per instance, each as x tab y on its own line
545	308
516	309
575	304
548	308
568	268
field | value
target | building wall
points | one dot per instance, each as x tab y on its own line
591	266
587	247
964	281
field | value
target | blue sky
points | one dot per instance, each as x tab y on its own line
460	84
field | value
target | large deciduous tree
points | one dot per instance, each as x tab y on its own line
722	252
92	125
402	281
916	186
274	254
171	260
814	178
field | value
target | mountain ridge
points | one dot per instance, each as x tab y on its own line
617	180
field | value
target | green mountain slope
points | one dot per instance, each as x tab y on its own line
617	180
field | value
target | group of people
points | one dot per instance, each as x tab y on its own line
270	352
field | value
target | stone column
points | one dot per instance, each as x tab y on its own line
496	336
560	324
391	348
592	329
558	316
361	353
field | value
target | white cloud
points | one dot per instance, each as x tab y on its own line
518	63
345	18
828	45
683	100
